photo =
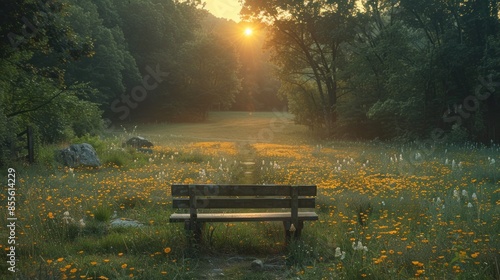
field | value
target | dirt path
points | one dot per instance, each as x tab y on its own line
250	174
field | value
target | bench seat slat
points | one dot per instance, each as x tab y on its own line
252	203
242	217
242	190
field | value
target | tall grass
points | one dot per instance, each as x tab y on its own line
417	218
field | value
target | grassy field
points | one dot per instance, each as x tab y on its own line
386	211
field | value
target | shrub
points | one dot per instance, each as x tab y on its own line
102	214
116	158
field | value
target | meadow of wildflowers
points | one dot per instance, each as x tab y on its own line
387	211
389	215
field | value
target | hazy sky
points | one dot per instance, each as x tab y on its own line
224	8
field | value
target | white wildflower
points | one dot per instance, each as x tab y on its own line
338	253
474	196
464	193
82	223
469	205
418	156
438	200
343	255
359	246
66	214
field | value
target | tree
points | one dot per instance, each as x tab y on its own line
36	42
112	69
208	77
306	39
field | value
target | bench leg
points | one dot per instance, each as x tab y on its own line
296	233
194	230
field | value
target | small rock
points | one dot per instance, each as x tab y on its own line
138	142
257	265
125	223
217	272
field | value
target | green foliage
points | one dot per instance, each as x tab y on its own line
389	69
306	40
117	158
99	144
45	156
112	67
102	213
458	134
7	139
303	104
216	81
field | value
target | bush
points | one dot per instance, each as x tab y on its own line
458	134
116	157
96	142
45	155
102	214
68	117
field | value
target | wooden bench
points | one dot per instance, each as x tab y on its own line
196	197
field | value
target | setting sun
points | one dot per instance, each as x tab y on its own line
248	31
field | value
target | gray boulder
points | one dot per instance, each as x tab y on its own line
78	155
138	142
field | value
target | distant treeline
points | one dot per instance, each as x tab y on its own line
73	67
388	68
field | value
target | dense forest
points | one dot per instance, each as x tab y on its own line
388	69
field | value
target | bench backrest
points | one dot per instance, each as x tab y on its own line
243	196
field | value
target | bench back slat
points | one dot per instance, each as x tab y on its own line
252	203
241	190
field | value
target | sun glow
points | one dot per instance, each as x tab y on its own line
248	31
